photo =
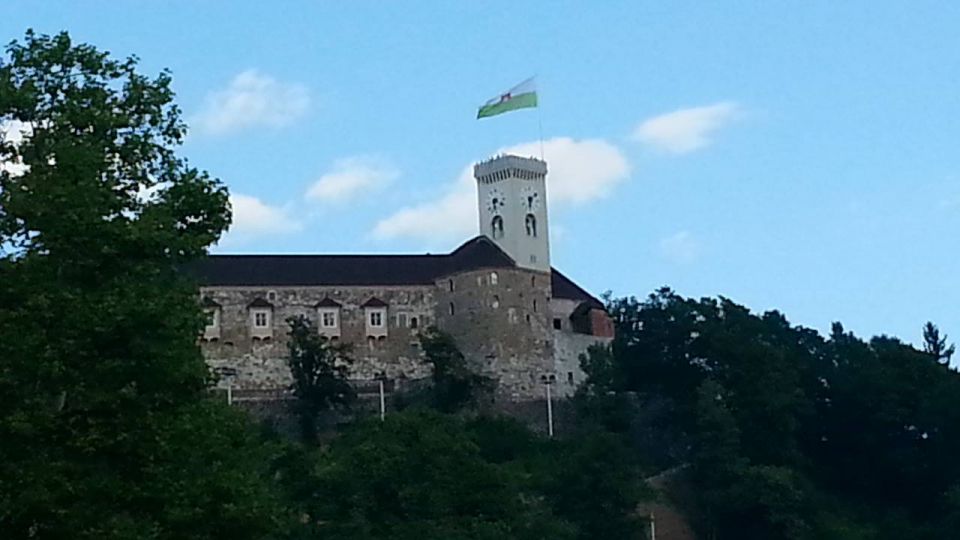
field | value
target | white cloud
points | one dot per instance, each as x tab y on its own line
451	217
680	248
252	100
252	218
685	130
351	177
13	132
579	171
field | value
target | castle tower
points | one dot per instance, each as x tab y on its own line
512	194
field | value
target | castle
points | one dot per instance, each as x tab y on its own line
514	317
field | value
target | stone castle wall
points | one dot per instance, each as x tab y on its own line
502	319
501	324
261	363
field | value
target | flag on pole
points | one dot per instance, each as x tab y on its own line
521	96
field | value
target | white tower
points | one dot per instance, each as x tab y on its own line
513	208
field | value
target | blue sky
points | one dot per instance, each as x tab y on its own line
801	156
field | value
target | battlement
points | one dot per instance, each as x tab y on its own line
506	166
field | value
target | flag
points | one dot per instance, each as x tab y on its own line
521	96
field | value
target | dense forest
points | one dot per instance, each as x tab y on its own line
108	428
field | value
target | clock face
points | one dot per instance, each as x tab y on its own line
495	201
530	199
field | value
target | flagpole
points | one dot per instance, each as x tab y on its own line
540	129
540	126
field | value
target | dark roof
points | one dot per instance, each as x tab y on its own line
564	287
346	270
360	270
374	302
327	302
260	302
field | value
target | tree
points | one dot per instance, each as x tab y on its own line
320	374
936	346
106	429
421	476
455	385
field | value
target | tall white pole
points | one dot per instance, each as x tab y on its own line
549	412
382	403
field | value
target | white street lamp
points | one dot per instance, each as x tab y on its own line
548	380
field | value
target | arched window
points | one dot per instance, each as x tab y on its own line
531	222
496	224
453	310
414	323
494	278
496	302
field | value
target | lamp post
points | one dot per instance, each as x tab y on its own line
548	381
227	375
383	409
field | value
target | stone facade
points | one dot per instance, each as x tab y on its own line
501	318
514	317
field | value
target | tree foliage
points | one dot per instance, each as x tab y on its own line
105	430
454	384
790	434
936	346
320	372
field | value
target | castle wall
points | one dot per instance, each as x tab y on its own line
262	364
503	327
494	323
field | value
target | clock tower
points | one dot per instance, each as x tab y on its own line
512	193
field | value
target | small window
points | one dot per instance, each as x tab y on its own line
531	224
376	318
512	315
557	324
450	283
372	343
528	317
533	281
261	319
402	320
569	377
479	281
496	226
496	302
271	295
328	319
533	258
213	317
414	323
453	310
534	305
494	278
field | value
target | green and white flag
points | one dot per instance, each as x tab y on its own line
521	96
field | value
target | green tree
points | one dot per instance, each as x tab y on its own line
320	371
936	346
421	476
455	384
105	427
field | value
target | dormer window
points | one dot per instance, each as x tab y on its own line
261	319
375	313
211	309
328	317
